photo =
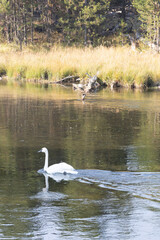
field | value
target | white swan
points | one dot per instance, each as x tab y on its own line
56	168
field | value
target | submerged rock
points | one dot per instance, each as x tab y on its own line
80	86
115	84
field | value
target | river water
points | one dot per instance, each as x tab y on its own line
112	139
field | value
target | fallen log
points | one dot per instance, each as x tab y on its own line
69	80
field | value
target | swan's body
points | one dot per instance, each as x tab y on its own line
61	168
57	168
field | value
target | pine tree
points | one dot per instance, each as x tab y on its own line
149	11
5	10
92	16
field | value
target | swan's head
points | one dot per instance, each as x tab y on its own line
43	150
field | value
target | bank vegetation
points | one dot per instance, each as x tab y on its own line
120	64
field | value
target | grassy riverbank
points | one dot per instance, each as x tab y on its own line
114	64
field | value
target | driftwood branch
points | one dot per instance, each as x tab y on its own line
69	80
93	84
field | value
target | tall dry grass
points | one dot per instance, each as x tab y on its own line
113	64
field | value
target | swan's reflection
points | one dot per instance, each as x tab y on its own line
46	183
58	177
47	195
47	212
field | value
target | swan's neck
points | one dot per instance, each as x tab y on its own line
46	161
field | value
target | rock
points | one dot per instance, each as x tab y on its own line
115	84
80	86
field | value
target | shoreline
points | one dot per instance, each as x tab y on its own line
5	80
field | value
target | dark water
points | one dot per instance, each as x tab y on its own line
112	139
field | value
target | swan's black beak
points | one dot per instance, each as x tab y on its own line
40	151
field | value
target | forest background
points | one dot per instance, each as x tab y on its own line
79	22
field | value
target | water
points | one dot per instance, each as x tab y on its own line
112	140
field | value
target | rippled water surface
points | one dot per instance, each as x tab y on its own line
112	139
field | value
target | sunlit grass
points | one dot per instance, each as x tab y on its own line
113	64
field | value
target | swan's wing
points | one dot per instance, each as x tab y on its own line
61	168
65	166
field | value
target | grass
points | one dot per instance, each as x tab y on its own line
113	64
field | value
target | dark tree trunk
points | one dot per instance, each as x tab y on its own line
124	9
85	29
25	28
32	25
